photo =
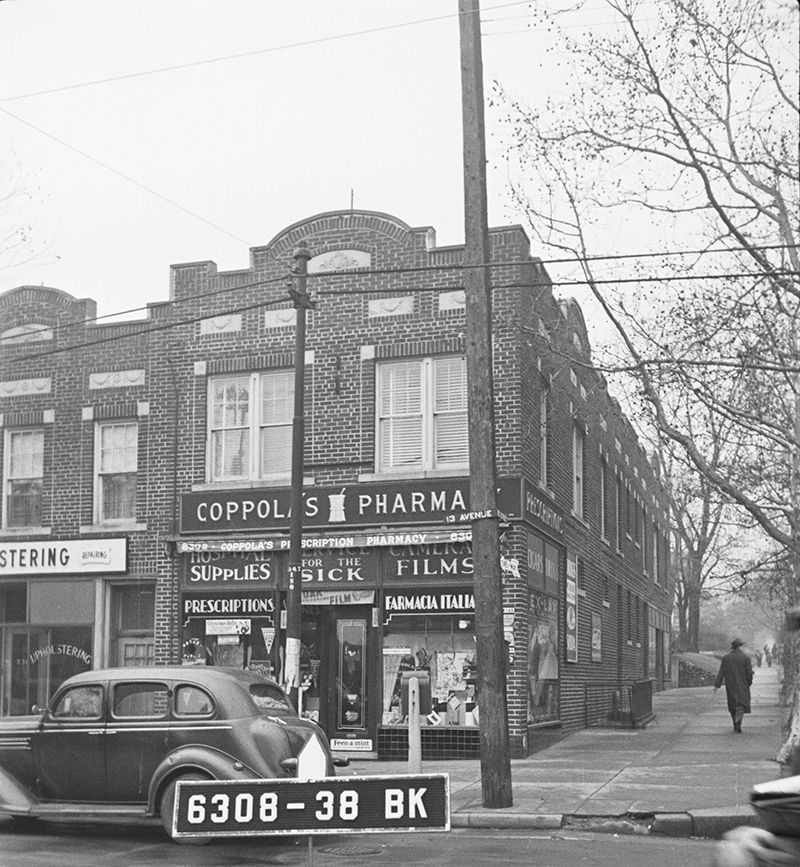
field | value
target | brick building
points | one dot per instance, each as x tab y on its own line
145	490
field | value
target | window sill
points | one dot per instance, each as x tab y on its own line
581	593
543	486
413	474
119	526
258	484
25	531
581	520
606	604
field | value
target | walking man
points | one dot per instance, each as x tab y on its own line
737	672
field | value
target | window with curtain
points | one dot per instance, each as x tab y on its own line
24	471
422	414
116	460
250	426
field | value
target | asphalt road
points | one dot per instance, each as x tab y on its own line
124	846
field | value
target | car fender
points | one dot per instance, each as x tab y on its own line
15	798
196	758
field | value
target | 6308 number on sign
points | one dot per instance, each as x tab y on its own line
332	805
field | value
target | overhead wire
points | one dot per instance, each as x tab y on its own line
438	268
150	329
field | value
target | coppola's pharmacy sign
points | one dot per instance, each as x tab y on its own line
434	502
79	556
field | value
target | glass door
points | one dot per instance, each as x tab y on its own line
26	654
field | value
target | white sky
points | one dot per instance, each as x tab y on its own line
250	144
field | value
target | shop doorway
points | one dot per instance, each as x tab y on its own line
337	667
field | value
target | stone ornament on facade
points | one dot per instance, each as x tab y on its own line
19	387
222	324
282	318
29	333
116	379
392	306
452	300
339	260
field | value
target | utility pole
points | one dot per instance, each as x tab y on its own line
490	648
299	295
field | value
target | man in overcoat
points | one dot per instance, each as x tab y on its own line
737	672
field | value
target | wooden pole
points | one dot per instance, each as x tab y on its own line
491	651
299	294
414	728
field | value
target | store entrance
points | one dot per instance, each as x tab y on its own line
337	672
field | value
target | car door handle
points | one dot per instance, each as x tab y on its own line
95	731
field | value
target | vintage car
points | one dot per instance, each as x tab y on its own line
113	743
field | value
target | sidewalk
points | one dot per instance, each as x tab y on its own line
686	774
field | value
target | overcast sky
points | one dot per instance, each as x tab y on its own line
333	99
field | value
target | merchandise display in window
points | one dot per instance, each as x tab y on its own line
439	651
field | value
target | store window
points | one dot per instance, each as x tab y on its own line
250	426
46	633
438	650
116	463
23	478
422	415
543	658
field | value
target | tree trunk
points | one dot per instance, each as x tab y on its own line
693	619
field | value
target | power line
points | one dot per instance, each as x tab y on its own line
123	176
334	293
427	269
254	53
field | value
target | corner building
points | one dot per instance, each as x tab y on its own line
204	390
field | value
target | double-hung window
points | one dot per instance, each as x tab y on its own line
544	436
117	462
422	415
250	426
23	477
578	445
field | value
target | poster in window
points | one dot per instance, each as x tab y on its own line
543	658
597	638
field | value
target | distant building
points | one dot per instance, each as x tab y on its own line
145	490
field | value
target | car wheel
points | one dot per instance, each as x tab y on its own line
167	809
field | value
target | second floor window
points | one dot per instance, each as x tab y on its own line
578	443
250	426
544	399
117	462
24	465
422	415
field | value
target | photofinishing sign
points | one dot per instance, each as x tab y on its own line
331	805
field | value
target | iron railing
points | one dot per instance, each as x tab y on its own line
618	705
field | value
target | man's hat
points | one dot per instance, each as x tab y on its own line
737	642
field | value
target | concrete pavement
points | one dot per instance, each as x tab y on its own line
686	774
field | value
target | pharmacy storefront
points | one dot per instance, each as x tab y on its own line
51	616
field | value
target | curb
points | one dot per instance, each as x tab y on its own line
706	823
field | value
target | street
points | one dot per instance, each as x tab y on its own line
125	846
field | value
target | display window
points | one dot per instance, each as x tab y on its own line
438	650
232	631
543	658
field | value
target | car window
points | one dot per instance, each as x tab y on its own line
267	696
150	700
193	701
80	702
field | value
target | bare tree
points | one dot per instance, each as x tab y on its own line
689	125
